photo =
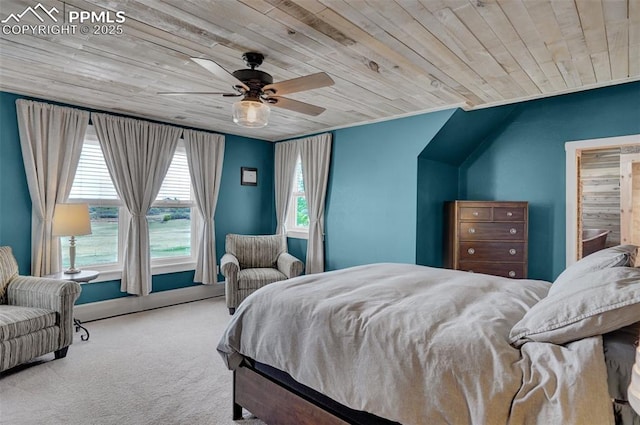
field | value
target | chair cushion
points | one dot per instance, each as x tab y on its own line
8	270
16	321
258	277
256	251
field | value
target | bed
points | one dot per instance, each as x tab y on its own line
398	343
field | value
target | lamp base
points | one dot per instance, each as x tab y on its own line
72	257
72	271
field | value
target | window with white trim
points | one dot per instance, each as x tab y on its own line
170	217
298	214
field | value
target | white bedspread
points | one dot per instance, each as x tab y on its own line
420	345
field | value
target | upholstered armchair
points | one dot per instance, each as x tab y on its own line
36	314
251	262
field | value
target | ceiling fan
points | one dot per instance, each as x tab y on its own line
259	90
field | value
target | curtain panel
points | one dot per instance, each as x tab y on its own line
205	154
315	154
51	140
138	154
286	155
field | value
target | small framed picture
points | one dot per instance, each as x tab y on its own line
248	176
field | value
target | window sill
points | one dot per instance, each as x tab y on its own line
115	272
297	234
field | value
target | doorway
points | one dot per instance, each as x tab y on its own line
603	194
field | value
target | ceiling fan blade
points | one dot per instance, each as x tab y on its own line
220	72
178	93
295	105
309	82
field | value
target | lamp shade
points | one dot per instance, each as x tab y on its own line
634	388
71	220
251	113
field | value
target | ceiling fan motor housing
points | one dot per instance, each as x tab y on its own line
254	79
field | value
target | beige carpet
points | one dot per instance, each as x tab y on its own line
155	367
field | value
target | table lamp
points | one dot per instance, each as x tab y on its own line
71	220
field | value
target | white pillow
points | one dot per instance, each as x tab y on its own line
594	304
616	256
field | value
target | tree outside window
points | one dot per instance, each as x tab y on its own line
298	215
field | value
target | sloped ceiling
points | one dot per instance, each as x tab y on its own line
464	132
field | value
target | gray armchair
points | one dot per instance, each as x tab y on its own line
251	262
36	314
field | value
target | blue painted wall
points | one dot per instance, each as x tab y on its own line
240	209
245	209
15	202
525	160
438	182
386	190
371	205
298	248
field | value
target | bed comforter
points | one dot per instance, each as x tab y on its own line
420	345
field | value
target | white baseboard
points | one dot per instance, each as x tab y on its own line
115	307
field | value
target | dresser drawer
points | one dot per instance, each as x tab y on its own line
475	213
512	270
508	214
492	231
492	251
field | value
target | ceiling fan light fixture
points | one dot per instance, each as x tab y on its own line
251	113
260	91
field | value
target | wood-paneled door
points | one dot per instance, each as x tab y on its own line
599	192
630	197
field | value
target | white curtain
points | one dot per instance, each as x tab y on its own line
138	155
286	156
315	153
51	139
205	154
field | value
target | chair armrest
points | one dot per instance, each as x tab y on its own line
51	294
230	267
289	265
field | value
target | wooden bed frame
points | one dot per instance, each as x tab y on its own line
275	403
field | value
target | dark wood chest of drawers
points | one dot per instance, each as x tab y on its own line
487	237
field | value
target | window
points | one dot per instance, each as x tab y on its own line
298	214
170	223
92	184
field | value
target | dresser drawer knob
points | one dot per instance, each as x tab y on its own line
509	214
476	213
512	251
472	230
471	251
512	274
513	231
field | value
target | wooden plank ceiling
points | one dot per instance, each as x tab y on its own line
388	58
